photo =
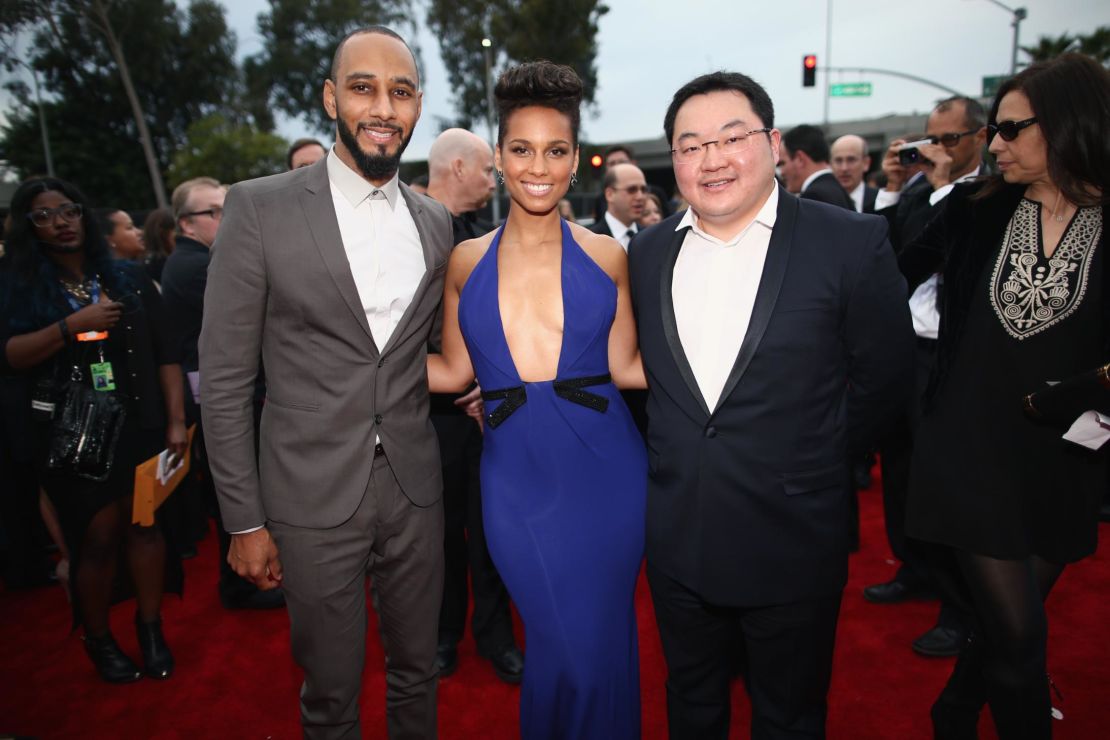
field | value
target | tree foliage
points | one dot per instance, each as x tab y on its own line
1095	44
181	65
520	30
299	38
227	150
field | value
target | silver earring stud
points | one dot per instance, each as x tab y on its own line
500	177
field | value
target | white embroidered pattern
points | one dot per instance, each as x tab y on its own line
1034	292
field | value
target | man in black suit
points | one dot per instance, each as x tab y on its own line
956	132
621	154
775	336
460	176
198	212
850	163
804	161
625	191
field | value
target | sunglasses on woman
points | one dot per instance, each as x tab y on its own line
1008	130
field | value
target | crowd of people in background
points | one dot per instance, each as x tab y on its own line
985	232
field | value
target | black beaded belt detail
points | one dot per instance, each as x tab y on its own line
570	390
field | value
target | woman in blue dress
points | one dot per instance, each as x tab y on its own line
539	312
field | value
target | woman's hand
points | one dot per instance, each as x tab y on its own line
95	317
177	439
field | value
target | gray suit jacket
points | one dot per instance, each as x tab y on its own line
280	285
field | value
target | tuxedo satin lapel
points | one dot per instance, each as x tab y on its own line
770	283
320	212
420	218
670	322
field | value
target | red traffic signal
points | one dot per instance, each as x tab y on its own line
596	161
809	70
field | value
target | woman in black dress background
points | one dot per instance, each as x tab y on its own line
61	283
1024	301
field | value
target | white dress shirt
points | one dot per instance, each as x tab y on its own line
714	288
619	230
857	196
923	302
382	245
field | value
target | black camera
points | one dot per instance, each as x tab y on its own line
910	153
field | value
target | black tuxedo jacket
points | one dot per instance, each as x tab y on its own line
748	503
184	278
601	226
911	214
827	189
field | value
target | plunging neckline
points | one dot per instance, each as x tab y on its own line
564	233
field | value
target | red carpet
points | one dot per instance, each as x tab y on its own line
235	678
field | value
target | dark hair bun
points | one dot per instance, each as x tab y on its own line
541	83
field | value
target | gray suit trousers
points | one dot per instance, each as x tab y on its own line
400	546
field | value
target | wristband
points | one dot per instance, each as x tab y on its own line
67	336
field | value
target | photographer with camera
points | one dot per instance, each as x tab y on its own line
921	171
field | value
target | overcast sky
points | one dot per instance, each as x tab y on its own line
650	48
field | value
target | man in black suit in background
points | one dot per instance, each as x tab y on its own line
775	338
956	131
625	191
198	212
850	163
460	176
804	161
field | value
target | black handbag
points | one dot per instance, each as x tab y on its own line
84	429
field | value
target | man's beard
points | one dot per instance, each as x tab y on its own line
372	166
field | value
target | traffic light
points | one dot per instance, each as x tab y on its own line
596	161
809	70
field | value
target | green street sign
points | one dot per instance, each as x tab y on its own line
992	83
850	90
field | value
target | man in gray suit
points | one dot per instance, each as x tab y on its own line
334	273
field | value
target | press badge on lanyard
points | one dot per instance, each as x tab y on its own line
103	379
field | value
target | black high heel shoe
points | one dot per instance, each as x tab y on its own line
157	658
111	663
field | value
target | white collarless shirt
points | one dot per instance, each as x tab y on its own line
714	287
857	196
382	246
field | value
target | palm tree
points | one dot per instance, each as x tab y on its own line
1048	47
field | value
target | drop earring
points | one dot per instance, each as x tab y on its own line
573	179
500	177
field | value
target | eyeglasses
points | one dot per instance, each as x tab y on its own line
634	189
951	140
731	142
214	212
1008	130
45	216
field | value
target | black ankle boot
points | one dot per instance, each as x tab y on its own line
111	663
157	658
956	712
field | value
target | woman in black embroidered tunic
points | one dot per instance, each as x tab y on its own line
1024	302
67	312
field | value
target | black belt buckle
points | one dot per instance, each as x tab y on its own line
378	450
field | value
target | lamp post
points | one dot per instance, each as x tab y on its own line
486	49
1019	15
42	118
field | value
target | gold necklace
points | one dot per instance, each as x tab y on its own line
79	289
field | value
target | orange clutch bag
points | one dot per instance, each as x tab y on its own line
150	491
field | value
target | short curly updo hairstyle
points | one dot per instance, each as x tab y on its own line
541	83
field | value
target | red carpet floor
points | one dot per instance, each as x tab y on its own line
235	678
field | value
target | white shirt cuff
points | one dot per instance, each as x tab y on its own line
1091	430
248	531
941	193
886	198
